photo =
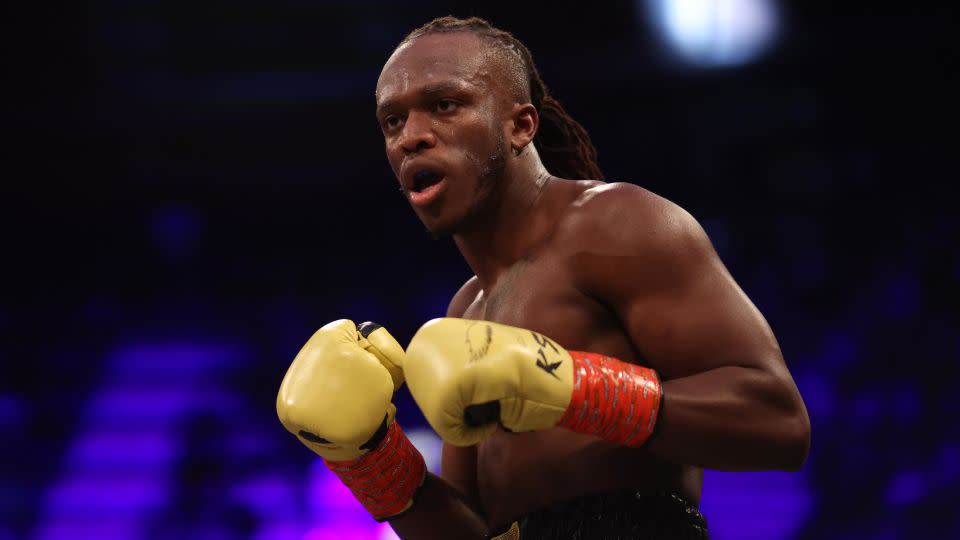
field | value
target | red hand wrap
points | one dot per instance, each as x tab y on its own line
385	479
612	399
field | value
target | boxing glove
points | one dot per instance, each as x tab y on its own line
469	376
336	397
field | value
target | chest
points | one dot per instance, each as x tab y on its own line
518	472
541	295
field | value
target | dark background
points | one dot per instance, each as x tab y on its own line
190	189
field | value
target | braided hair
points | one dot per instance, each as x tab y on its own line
564	145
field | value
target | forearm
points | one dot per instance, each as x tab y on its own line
439	511
732	418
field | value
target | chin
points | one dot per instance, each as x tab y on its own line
441	229
441	220
451	215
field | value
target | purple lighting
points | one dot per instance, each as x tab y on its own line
91	495
123	450
117	528
335	513
120	470
754	506
907	487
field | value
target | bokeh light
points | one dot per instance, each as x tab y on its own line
716	33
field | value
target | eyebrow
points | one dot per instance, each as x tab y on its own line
441	88
431	90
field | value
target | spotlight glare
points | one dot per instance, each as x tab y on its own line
716	33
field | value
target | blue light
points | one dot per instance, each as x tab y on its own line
907	487
119	470
175	230
716	33
768	505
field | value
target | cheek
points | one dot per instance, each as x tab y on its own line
479	136
394	158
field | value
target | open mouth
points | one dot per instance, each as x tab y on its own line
424	179
426	187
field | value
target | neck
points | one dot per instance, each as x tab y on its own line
514	226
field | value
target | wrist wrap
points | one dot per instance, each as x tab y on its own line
385	479
612	399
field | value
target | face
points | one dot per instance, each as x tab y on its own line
440	104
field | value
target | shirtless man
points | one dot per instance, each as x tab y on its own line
680	372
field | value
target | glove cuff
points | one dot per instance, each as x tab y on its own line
612	399
386	479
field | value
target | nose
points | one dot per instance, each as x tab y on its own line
417	134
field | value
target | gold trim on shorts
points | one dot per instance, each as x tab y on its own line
513	533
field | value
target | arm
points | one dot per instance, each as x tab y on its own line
439	511
729	401
448	506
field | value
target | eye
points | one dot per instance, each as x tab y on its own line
446	105
391	122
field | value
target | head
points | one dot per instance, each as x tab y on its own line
459	103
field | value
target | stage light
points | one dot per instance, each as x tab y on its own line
716	33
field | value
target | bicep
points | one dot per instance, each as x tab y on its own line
699	320
680	306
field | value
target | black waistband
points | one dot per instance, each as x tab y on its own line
620	516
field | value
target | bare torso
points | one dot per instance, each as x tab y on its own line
521	472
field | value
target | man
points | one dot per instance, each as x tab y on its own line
680	371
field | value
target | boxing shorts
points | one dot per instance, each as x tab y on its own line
612	516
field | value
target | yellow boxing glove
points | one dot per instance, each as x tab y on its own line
336	398
469	376
337	393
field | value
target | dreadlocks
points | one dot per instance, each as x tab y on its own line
564	145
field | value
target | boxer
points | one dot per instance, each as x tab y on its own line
600	357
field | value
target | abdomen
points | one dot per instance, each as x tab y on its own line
521	472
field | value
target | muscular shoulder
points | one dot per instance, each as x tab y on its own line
615	228
626	217
463	298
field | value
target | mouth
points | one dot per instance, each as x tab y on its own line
425	186
424	179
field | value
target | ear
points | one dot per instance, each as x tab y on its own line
526	120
